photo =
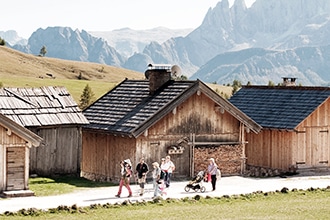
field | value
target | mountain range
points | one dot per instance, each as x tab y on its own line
269	40
128	41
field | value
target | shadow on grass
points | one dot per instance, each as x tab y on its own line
70	180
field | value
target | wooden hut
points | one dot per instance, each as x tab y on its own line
15	143
157	117
51	113
295	124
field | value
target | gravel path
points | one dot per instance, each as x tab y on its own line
226	186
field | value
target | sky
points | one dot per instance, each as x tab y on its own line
26	16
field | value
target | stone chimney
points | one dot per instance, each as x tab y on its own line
158	75
289	81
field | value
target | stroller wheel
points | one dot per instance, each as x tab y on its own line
187	188
203	189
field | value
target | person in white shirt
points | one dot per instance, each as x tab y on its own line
212	170
168	167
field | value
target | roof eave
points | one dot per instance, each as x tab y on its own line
112	132
24	133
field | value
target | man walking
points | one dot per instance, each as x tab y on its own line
141	171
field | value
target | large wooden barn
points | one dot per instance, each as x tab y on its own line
51	113
157	117
295	124
15	143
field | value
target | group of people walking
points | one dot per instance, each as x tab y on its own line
161	175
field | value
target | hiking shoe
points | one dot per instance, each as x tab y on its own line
118	196
130	195
141	194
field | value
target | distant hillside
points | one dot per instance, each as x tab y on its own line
18	69
14	62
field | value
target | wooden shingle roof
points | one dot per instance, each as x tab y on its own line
43	106
279	107
130	109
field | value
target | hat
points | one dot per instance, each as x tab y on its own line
163	158
155	164
128	161
212	159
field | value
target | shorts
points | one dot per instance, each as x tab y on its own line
142	179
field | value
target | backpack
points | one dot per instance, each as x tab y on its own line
218	174
128	172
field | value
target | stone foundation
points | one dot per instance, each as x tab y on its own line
97	177
254	171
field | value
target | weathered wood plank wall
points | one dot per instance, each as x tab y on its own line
198	115
16	169
270	148
201	116
102	153
61	153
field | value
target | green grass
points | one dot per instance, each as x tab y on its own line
75	87
43	186
295	204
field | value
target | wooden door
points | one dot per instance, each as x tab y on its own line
317	152
323	147
15	158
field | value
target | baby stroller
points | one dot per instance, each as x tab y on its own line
196	183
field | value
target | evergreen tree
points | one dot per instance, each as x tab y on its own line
270	83
86	98
236	86
43	51
2	42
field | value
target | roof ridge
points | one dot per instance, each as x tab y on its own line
286	87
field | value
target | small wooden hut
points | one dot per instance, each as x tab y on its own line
295	124
157	117
51	113
15	143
